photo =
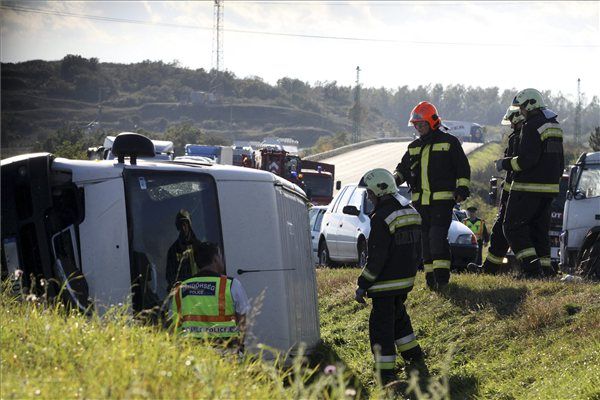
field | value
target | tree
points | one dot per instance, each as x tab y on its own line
595	139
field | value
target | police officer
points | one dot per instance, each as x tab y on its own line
498	243
180	257
210	305
388	276
537	167
438	172
478	227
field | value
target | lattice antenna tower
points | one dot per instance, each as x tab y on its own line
217	47
578	112
357	109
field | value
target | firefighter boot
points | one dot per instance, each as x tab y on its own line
474	268
531	268
430	280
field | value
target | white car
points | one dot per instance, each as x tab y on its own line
346	225
315	218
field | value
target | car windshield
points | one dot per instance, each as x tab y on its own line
589	181
318	184
154	199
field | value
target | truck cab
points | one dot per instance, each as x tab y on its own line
101	230
318	181
580	239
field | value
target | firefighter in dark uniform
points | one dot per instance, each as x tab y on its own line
180	257
438	172
537	167
479	229
498	243
387	278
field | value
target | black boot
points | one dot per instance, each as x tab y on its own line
430	280
474	268
387	376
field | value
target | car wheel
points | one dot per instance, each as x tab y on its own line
324	259
362	252
588	264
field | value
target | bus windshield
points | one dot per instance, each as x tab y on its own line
154	201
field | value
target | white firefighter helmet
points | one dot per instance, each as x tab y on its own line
530	99
380	181
513	116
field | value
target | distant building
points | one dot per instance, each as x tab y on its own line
200	98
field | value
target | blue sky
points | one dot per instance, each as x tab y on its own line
508	44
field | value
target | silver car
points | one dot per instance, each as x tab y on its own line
346	225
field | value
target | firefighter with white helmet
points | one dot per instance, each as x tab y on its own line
437	170
536	167
393	256
498	243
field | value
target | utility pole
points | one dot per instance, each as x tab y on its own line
357	109
217	54
578	113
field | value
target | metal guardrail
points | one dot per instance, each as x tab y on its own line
354	146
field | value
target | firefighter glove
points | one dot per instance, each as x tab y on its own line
499	165
461	193
359	295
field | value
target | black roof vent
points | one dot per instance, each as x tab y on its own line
132	145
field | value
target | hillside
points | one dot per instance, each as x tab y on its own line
90	97
487	337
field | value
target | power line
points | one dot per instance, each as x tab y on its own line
283	34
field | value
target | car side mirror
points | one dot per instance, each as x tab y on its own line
351	210
338	185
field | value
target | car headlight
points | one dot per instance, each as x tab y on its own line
466	239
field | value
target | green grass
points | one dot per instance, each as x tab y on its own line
505	338
487	337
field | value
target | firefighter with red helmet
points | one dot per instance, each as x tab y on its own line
438	173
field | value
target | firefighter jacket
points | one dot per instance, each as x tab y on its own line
539	161
436	168
180	261
511	150
394	248
204	308
479	228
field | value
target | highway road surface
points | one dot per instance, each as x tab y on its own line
351	166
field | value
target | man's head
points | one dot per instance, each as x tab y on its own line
529	101
183	223
208	257
424	117
472	212
379	182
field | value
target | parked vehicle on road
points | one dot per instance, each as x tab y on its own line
346	226
102	230
580	239
318	178
315	219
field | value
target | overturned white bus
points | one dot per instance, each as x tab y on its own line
110	223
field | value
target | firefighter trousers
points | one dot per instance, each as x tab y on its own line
526	226
390	330
498	243
435	222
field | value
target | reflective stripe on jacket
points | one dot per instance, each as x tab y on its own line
204	308
394	249
434	166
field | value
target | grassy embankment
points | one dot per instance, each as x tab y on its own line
487	337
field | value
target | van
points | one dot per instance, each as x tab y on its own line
111	222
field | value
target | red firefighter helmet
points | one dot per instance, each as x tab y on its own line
426	112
